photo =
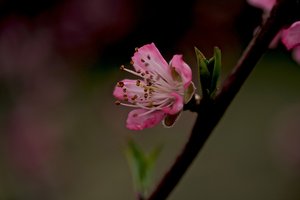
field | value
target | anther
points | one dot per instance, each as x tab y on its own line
124	90
148	56
142	60
117	103
134	97
131	62
122	67
120	84
146	72
138	82
143	74
136	49
146	64
150	105
146	95
135	115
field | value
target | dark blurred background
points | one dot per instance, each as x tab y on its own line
62	137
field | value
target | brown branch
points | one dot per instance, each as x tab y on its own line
211	111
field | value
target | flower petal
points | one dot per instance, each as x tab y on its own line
296	54
128	90
182	69
148	58
265	5
177	106
138	120
291	36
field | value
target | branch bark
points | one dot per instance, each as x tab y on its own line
211	111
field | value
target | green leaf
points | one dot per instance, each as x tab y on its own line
138	165
151	161
204	73
216	71
141	165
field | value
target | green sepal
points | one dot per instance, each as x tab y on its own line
189	92
170	120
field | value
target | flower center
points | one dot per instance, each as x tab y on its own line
152	93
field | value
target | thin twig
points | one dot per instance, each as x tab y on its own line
211	111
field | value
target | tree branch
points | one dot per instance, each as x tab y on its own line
211	111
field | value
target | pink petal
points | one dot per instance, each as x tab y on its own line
182	69
296	54
148	56
131	90
291	36
265	5
177	106
137	120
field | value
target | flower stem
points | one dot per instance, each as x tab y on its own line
210	111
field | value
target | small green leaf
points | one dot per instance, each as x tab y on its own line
204	73
138	165
141	165
151	161
216	71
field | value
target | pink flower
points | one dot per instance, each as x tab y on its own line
265	5
289	36
160	91
291	39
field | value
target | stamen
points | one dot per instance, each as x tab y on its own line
150	105
138	82
134	97
120	84
130	71
117	103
